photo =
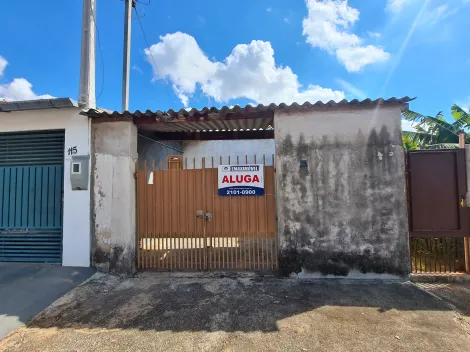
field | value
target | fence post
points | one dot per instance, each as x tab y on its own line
466	239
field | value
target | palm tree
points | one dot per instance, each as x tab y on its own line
436	132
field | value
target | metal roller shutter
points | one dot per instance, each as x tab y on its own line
31	187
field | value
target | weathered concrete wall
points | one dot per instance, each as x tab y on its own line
156	150
341	192
114	211
225	148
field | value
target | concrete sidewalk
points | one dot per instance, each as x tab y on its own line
155	312
26	289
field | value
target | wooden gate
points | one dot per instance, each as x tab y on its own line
183	224
438	213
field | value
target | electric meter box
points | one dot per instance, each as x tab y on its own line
79	167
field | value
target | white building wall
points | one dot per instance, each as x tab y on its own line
76	212
225	148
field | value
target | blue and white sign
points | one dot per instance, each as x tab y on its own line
241	180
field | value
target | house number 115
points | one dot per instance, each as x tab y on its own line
72	150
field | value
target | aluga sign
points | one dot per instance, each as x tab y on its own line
241	180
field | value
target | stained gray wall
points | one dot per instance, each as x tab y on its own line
150	151
114	154
345	212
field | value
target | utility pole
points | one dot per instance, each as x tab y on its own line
86	93
127	54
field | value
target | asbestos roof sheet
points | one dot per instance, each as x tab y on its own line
228	118
37	104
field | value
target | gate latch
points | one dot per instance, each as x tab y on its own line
206	216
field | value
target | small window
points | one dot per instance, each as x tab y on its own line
75	168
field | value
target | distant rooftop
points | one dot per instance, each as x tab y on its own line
37	104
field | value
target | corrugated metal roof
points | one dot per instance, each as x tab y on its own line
233	118
37	104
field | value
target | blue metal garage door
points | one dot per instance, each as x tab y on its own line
31	187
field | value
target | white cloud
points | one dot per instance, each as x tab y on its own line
439	13
328	27
375	35
268	9
3	64
356	57
19	89
250	72
396	6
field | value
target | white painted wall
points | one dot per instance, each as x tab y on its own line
226	148
76	218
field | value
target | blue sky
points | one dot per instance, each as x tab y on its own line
214	52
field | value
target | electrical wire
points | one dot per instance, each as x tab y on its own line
153	140
101	55
151	56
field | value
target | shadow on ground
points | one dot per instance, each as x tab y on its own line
26	289
152	301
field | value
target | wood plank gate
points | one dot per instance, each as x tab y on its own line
438	213
183	224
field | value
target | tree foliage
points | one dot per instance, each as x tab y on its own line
435	132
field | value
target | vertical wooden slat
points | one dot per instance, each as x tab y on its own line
248	240
265	211
156	204
178	219
213	191
171	202
151	188
204	209
196	254
145	225
161	199
186	215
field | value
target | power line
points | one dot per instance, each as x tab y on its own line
151	55
166	145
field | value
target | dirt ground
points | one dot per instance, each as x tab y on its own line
159	312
